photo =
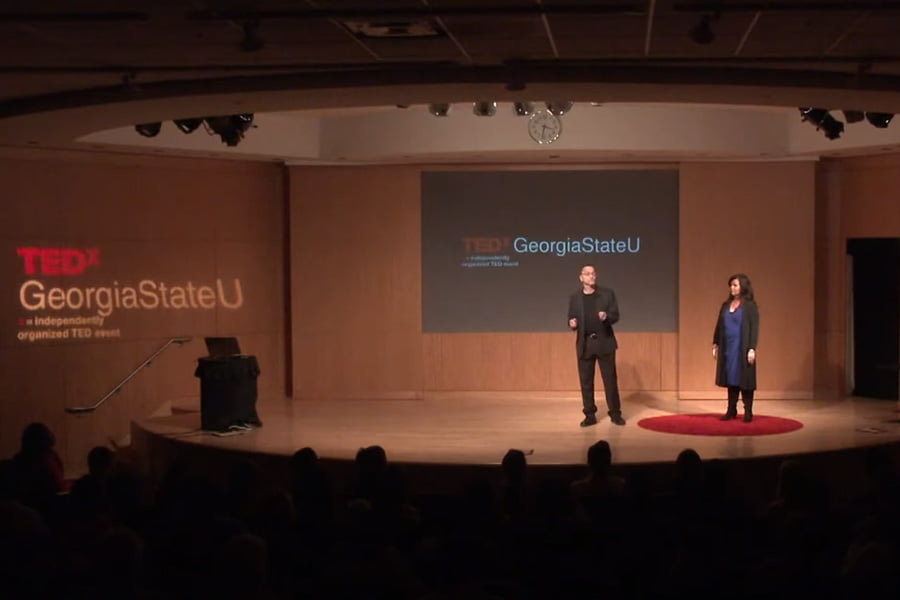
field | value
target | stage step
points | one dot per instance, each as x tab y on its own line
186	407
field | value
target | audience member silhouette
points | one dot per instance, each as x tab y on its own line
600	481
311	490
516	493
600	497
39	474
371	469
90	493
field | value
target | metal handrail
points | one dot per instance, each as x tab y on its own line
121	384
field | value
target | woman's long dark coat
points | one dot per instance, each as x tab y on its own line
749	338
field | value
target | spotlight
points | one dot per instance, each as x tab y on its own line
148	129
484	109
833	128
880	120
702	33
822	119
439	109
251	41
853	116
523	109
230	128
188	125
559	108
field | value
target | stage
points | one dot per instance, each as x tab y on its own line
477	429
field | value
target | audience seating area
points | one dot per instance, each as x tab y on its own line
508	532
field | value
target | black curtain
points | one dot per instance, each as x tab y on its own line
876	316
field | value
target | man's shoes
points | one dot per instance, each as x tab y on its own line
728	416
617	419
748	417
588	421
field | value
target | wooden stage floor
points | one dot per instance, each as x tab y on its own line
478	429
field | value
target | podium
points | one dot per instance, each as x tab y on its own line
227	392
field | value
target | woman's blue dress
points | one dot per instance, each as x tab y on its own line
733	345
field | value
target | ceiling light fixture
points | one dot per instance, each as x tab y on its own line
484	108
560	108
440	109
880	120
230	128
423	28
823	120
148	129
853	116
523	109
188	125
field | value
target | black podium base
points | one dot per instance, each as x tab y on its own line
228	393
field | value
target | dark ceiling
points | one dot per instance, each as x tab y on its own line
62	53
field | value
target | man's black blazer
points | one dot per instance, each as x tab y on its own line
604	300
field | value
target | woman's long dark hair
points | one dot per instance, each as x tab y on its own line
746	286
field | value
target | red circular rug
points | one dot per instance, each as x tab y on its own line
709	424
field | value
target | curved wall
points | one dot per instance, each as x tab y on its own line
77	232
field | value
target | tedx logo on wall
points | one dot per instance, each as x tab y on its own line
75	310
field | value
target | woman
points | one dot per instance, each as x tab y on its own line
734	346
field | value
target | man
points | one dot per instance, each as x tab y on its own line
592	313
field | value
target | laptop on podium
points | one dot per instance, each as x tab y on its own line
221	347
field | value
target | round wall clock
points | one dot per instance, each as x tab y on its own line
544	127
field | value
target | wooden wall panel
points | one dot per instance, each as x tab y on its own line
564	365
163	219
856	198
869	196
457	362
668	361
831	263
328	365
355	281
32	388
758	219
534	362
638	361
515	361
